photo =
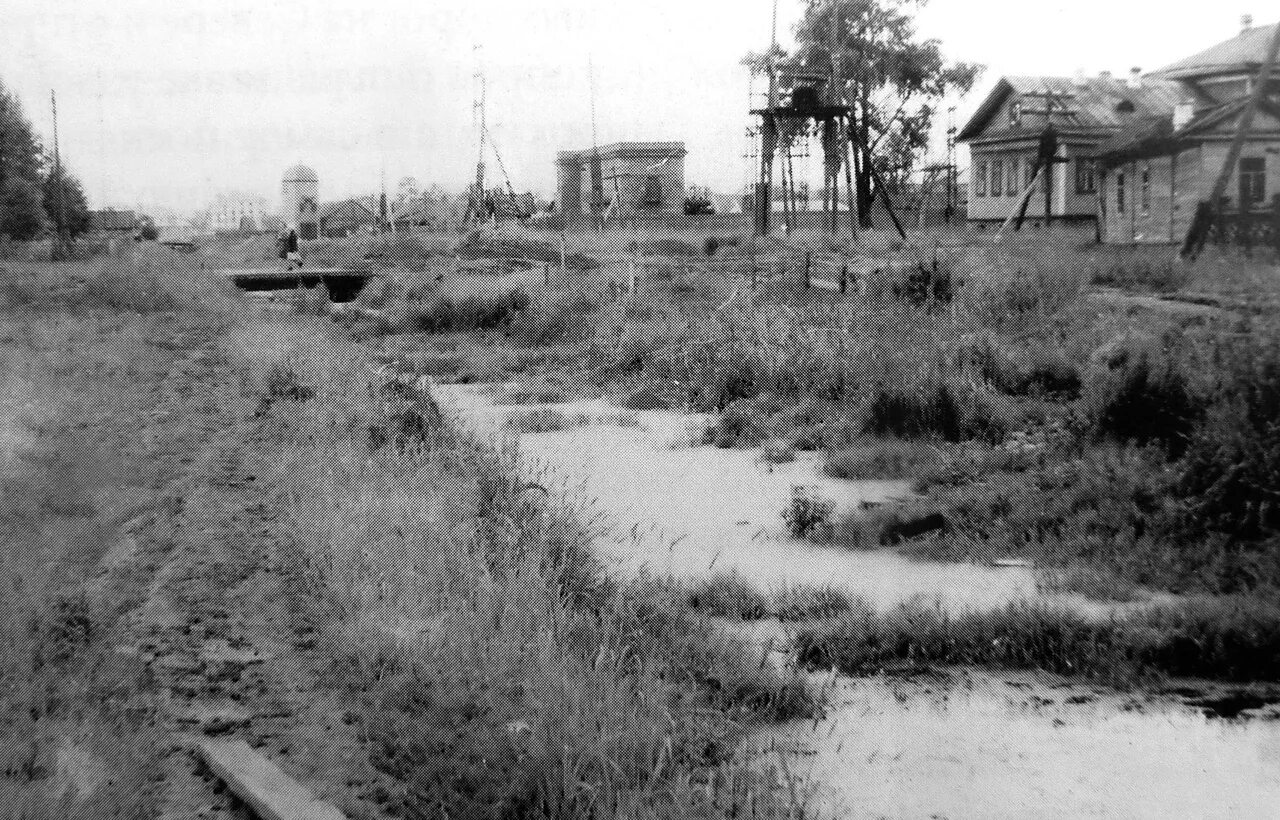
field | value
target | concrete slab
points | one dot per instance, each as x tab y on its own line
260	783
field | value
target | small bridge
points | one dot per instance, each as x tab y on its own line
343	284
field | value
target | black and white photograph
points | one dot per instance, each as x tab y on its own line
601	410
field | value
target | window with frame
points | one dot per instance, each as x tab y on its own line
980	180
1146	188
1120	183
1086	175
1011	185
1253	181
997	176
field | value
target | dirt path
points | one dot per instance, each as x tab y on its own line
223	622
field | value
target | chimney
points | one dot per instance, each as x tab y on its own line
1135	77
1182	114
1246	23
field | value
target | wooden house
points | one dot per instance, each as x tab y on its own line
1004	133
1154	174
347	217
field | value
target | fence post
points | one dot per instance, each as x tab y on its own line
808	267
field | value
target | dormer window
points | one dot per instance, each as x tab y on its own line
1015	115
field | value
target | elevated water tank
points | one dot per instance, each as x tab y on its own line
300	201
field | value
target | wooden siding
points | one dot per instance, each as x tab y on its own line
1066	202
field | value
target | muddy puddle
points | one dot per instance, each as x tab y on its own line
943	744
694	511
973	744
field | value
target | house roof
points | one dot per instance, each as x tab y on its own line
419	208
626	150
1156	136
351	210
1092	99
1243	52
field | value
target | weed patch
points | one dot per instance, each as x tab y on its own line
1233	639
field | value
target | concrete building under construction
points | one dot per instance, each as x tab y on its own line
626	177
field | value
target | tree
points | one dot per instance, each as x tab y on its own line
74	210
21	161
22	217
891	79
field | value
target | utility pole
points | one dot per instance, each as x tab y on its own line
952	172
1048	169
597	172
60	242
768	137
475	208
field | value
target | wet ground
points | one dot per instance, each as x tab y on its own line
927	743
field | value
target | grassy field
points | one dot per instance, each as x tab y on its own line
1106	413
426	636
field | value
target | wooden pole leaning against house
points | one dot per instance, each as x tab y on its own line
1208	212
1020	204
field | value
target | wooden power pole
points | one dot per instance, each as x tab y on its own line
60	243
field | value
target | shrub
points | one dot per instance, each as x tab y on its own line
743	423
1235	639
471	312
1138	393
881	458
908	413
778	451
552	320
808	515
283	382
1030	370
1232	465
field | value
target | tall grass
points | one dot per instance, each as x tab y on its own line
1235	639
500	673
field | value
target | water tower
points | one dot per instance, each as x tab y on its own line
300	200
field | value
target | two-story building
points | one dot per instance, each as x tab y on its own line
1154	174
1003	137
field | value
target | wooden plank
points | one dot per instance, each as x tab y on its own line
260	783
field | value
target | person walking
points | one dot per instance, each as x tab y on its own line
293	257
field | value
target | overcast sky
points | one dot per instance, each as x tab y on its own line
167	102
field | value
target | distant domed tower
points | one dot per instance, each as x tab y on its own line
300	200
